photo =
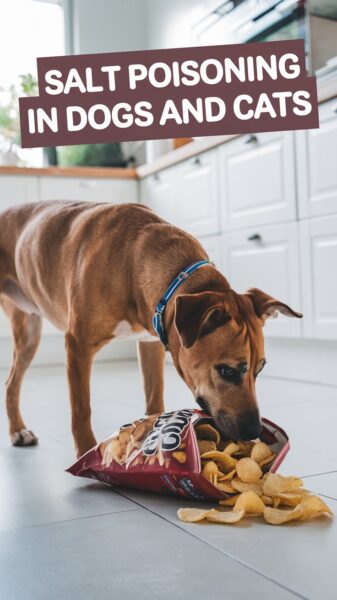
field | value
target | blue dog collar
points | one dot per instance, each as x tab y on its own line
157	319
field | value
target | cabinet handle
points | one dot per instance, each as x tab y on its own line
251	139
255	237
197	161
156	177
334	109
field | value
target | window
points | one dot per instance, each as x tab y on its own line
32	28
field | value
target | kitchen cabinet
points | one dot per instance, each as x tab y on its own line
187	194
266	258
319	281
212	245
258	180
88	189
197	195
157	192
316	164
18	190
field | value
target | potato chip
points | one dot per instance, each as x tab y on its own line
192	515
230	501
274	484
267	461
246	448
209	470
180	456
314	506
224	486
250	503
240	486
276	516
276	502
228	517
260	451
226	462
291	498
206	446
267	500
231	448
229	475
248	470
205	431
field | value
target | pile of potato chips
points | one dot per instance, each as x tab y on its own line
238	470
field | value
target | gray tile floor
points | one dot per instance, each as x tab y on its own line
67	538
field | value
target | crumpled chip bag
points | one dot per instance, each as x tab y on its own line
182	453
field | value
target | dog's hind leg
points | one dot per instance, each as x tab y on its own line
26	331
80	356
151	358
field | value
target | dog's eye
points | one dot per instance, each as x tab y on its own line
228	373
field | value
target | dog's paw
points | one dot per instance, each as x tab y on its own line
25	437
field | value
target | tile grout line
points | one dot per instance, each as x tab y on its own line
13	529
318	474
230	556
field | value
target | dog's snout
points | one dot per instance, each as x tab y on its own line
249	427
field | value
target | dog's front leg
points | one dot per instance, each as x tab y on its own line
151	357
79	362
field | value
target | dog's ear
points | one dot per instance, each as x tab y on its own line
266	306
197	315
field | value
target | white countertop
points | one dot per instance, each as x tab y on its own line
326	91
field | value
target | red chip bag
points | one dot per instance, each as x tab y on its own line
160	454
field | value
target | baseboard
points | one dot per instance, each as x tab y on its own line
298	360
51	351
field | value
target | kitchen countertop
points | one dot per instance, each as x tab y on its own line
325	91
97	172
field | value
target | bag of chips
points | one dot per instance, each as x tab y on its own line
182	453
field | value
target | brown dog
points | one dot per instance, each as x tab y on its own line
97	271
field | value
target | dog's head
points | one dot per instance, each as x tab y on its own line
221	352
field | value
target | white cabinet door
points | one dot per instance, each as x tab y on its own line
18	189
88	189
197	195
319	277
316	164
212	245
267	258
157	192
258	180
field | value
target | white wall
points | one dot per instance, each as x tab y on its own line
109	25
169	22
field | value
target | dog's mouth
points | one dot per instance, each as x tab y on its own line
226	426
222	421
203	405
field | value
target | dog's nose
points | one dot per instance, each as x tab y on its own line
249	428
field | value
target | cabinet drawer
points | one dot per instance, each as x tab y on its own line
92	190
157	192
197	195
269	262
258	180
319	281
316	164
17	189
